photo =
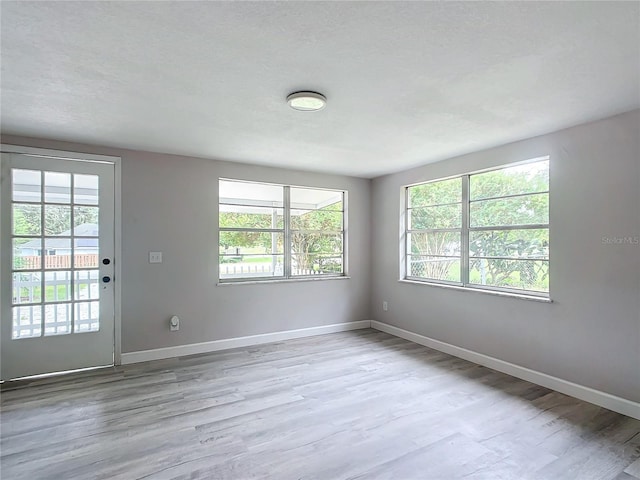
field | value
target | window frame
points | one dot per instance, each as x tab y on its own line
408	231
466	229
286	231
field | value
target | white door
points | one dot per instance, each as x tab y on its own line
57	245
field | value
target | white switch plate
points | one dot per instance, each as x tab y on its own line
155	257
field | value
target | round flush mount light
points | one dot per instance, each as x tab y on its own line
306	101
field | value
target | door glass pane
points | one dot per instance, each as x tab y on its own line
26	185
85	189
26	253
85	221
57	220
86	285
26	321
57	319
26	287
86	318
86	252
57	187
57	286
26	219
57	253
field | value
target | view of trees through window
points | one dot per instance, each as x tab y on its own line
27	218
500	241
254	229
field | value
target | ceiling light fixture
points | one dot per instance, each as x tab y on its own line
306	101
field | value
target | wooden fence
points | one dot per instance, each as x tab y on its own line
81	260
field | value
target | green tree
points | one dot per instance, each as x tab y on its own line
57	218
438	206
316	235
20	224
316	239
247	239
524	250
435	206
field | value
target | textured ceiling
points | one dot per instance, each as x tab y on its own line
407	83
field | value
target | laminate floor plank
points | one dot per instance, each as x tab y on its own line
353	405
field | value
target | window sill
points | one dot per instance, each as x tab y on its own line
519	296
283	280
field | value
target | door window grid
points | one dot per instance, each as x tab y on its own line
48	298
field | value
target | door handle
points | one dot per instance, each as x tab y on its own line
106	279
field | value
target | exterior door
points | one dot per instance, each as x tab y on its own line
57	245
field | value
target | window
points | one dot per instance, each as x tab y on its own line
272	231
487	230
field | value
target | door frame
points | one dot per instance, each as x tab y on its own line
117	165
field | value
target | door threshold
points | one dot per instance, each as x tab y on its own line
30	380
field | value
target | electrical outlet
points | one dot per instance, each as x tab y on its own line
385	306
155	257
174	323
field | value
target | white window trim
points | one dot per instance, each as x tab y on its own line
287	276
464	230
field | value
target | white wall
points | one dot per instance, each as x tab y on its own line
590	334
170	204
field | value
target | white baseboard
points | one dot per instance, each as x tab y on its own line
606	400
236	342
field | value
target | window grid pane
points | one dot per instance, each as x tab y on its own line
512	273
276	231
517	180
434	267
530	209
435	193
503	239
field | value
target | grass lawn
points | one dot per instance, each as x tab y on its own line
63	291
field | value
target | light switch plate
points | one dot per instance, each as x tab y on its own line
155	257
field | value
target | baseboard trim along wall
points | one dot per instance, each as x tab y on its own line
602	399
606	400
237	342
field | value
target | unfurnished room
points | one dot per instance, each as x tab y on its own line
320	240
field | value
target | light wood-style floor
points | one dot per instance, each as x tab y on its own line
354	405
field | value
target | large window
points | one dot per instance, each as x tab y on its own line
487	230
272	231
